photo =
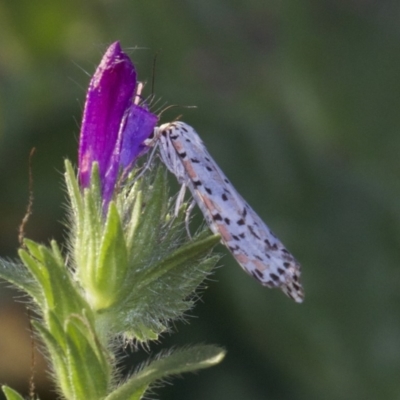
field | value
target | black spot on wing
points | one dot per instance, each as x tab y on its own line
253	232
172	136
275	277
255	276
270	246
296	286
182	155
224	197
234	248
217	217
208	190
259	273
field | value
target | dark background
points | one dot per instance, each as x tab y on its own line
298	101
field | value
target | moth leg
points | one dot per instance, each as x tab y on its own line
178	204
146	166
180	199
187	217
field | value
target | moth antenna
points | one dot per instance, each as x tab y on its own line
172	106
153	78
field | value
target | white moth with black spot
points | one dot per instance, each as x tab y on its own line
242	231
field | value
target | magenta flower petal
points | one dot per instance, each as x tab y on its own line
113	128
139	126
110	93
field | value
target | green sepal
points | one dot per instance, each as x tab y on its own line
95	185
134	197
87	232
144	239
111	269
179	361
88	242
75	196
11	394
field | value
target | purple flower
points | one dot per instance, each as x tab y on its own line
113	127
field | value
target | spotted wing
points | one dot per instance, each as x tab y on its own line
252	243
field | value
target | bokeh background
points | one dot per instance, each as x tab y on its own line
298	101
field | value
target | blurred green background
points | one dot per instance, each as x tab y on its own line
298	101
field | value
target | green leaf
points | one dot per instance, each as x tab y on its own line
58	358
89	380
34	249
20	276
55	327
11	394
65	294
41	275
184	255
80	330
180	361
162	292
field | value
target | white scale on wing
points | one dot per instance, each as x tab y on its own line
251	242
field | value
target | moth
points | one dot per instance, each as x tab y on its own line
258	251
